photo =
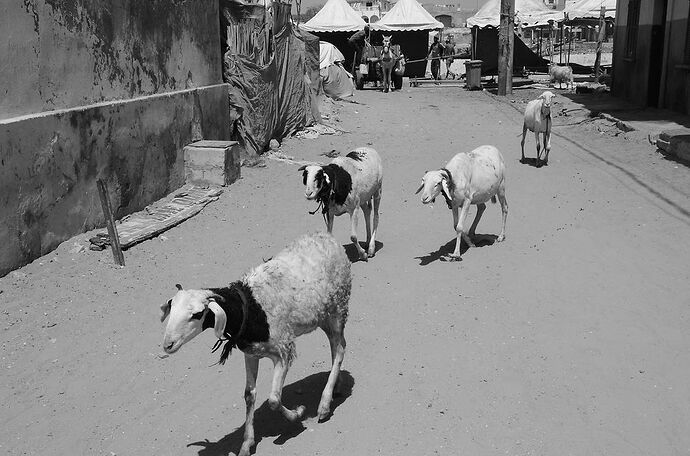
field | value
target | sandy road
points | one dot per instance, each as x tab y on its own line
571	337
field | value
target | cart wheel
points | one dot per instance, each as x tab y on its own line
359	80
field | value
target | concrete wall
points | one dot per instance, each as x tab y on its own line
110	89
677	72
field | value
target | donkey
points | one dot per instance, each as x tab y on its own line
388	62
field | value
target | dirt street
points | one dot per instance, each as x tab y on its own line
569	338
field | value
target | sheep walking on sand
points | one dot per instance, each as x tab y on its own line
468	178
304	287
538	119
561	74
343	186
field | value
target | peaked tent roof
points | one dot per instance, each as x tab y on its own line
527	12
407	15
590	9
335	16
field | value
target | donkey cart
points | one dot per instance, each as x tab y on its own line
370	70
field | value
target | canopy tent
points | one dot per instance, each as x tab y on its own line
590	9
328	55
335	16
528	13
407	15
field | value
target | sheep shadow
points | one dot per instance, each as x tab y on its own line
269	423
443	252
353	255
533	162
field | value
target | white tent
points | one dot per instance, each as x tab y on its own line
527	12
582	9
328	55
407	15
335	16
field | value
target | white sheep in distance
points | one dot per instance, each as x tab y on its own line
468	178
561	74
304	287
344	185
538	119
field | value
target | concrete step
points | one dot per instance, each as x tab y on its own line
212	162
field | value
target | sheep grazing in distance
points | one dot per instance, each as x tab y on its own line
468	178
561	74
344	185
538	119
304	287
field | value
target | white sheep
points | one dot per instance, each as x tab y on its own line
304	287
561	74
538	119
468	178
344	185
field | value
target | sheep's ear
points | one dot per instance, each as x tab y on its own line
220	317
421	186
302	168
165	309
326	178
178	286
444	187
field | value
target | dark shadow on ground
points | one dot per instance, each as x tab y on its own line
269	423
443	252
352	253
532	161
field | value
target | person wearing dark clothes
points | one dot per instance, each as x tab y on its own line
357	40
448	53
435	53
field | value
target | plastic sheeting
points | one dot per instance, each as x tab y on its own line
335	16
273	72
328	55
337	82
407	15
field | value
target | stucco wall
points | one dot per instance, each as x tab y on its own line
110	89
677	77
64	53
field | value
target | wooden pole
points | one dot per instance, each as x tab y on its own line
110	222
505	48
600	40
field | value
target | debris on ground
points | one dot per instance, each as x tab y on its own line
159	216
274	145
253	162
331	154
314	131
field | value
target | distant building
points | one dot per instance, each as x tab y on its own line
371	11
449	13
651	53
555	4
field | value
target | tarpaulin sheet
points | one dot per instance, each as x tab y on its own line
271	68
328	55
337	82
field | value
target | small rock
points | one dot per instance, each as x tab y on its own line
274	145
77	248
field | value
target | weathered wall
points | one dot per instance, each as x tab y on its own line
677	76
110	89
49	164
64	53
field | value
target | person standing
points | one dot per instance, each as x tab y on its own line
435	53
448	53
358	40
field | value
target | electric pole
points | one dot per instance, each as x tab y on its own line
505	48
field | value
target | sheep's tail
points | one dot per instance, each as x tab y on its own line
493	199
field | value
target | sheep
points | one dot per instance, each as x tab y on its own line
345	184
538	119
468	178
305	286
561	74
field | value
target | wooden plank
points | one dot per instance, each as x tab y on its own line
110	223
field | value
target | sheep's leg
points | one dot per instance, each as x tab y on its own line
547	145
458	221
366	209
522	143
274	399
372	241
504	210
353	235
329	222
536	136
251	364
481	207
337	342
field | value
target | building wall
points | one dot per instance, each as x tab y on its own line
110	89
676	95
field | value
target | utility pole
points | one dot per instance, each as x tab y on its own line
600	40
505	48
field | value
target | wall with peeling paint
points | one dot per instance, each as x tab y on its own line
64	53
99	89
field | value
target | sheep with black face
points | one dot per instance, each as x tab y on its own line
304	287
343	186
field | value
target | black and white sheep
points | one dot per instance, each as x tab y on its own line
538	119
344	185
304	287
468	178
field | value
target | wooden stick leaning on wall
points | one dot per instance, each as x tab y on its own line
110	222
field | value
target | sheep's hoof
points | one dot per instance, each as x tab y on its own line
500	238
454	257
324	413
363	256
